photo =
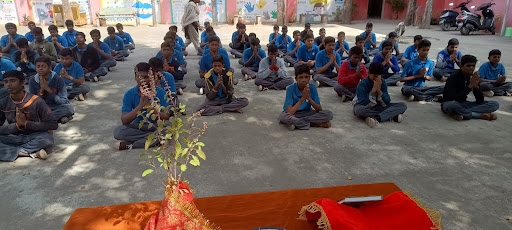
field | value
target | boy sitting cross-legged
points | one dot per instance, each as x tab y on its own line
25	58
390	62
73	75
350	73
239	42
306	55
164	79
325	62
172	66
412	51
58	41
272	73
70	34
372	101
88	58
179	40
366	56
205	64
493	78
116	44
252	59
127	39
292	48
319	41
273	36
300	97
105	55
283	40
341	45
446	60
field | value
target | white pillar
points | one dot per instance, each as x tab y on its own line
505	16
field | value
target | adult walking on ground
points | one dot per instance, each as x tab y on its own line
191	26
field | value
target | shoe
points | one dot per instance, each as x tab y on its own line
344	98
398	118
95	79
438	98
41	154
443	79
488	93
123	145
109	69
80	97
397	83
247	77
508	94
291	127
489	116
180	91
371	122
458	117
411	98
260	87
64	120
201	91
317	83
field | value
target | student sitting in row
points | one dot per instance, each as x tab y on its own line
446	60
164	79
247	46
283	40
220	90
70	34
351	72
52	89
319	41
239	42
179	40
129	44
105	55
326	61
292	48
301	97
306	54
416	72
390	62
43	47
458	86
493	78
412	51
307	30
205	64
5	65
273	36
342	46
204	39
88	59
172	66
116	45
8	41
28	130
360	41
73	75
373	103
29	35
392	38
370	39
135	107
234	35
177	51
252	59
58	41
272	73
25	58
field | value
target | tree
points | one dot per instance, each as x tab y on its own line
425	24
67	14
281	15
411	11
153	11
214	11
347	12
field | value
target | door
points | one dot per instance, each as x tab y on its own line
375	8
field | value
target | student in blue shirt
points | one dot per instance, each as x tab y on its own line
446	60
70	33
179	40
342	46
116	45
239	42
389	61
283	40
204	35
136	105
273	36
392	37
29	35
319	41
59	42
326	62
105	55
8	41
50	87
129	44
172	66
300	98
416	72
291	55
234	35
366	57
209	33
412	51
73	75
220	91
252	58
164	80
370	39
25	58
306	54
247	46
493	81
5	65
177	51
205	64
373	103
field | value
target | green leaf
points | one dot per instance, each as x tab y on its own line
153	117
178	148
195	161
141	123
147	172
201	154
200	144
166	165
183	168
149	140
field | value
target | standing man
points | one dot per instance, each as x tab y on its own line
190	24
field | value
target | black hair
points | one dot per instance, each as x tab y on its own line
173	27
272	48
143	67
238	24
31	23
80	34
95	31
468	59
14	74
295	32
155	62
252	35
329	39
308	36
418	38
321	29
300	69
111	29
45	60
22	42
392	35
213	39
119	25
376	68
52	27
284	28
359	38
217	58
307	25
276	27
69	23
453	42
386	44
65	52
254	41
209	29
10	24
37	30
369	25
206	24
341	33
424	43
242	26
356	50
494	52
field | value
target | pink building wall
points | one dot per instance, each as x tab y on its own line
24	7
165	12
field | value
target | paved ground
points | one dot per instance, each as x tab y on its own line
462	169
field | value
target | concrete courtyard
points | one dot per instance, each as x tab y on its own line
463	169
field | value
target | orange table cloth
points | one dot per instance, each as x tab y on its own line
233	212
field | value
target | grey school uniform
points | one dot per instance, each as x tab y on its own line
273	79
379	107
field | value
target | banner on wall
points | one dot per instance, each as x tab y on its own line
142	8
205	11
84	7
313	9
42	10
8	12
267	9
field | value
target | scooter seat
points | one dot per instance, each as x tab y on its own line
474	15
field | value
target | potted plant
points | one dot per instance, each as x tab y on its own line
397	6
178	146
26	19
337	14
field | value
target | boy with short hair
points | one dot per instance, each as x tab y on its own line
164	79
29	35
360	43
177	51
127	39
172	66
28	130
234	35
319	41
205	64
300	97
136	106
291	55
416	72
247	46
8	41
209	33
105	55
70	34
116	45
392	37
42	46
5	65
458	86
273	36
219	91
239	42
25	58
252	59
325	62
272	73
307	30
370	39
52	89
306	54
493	78
412	51
372	101
351	72
446	60
389	61
342	46
88	58
73	75
283	40
58	41
179	40
206	24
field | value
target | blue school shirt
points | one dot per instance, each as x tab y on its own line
413	67
489	72
127	39
170	81
177	54
443	59
204	39
291	47
410	53
179	41
282	42
62	40
322	59
30	36
206	64
5	65
337	46
255	61
70	37
75	70
117	44
380	58
305	55
233	36
272	35
131	100
4	41
393	49
368	44
293	95
220	93
203	34
104	47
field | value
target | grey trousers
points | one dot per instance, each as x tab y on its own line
99	72
326	79
200	83
74	90
60	111
220	105
342	90
237	53
499	90
290	60
251	71
379	112
132	133
439	73
466	108
121	55
391	78
108	63
241	61
423	93
193	38
11	145
279	84
303	119
180	84
129	47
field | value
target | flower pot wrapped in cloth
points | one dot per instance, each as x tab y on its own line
178	211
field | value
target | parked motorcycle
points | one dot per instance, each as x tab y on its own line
449	17
471	22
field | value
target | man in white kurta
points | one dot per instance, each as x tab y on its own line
190	24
